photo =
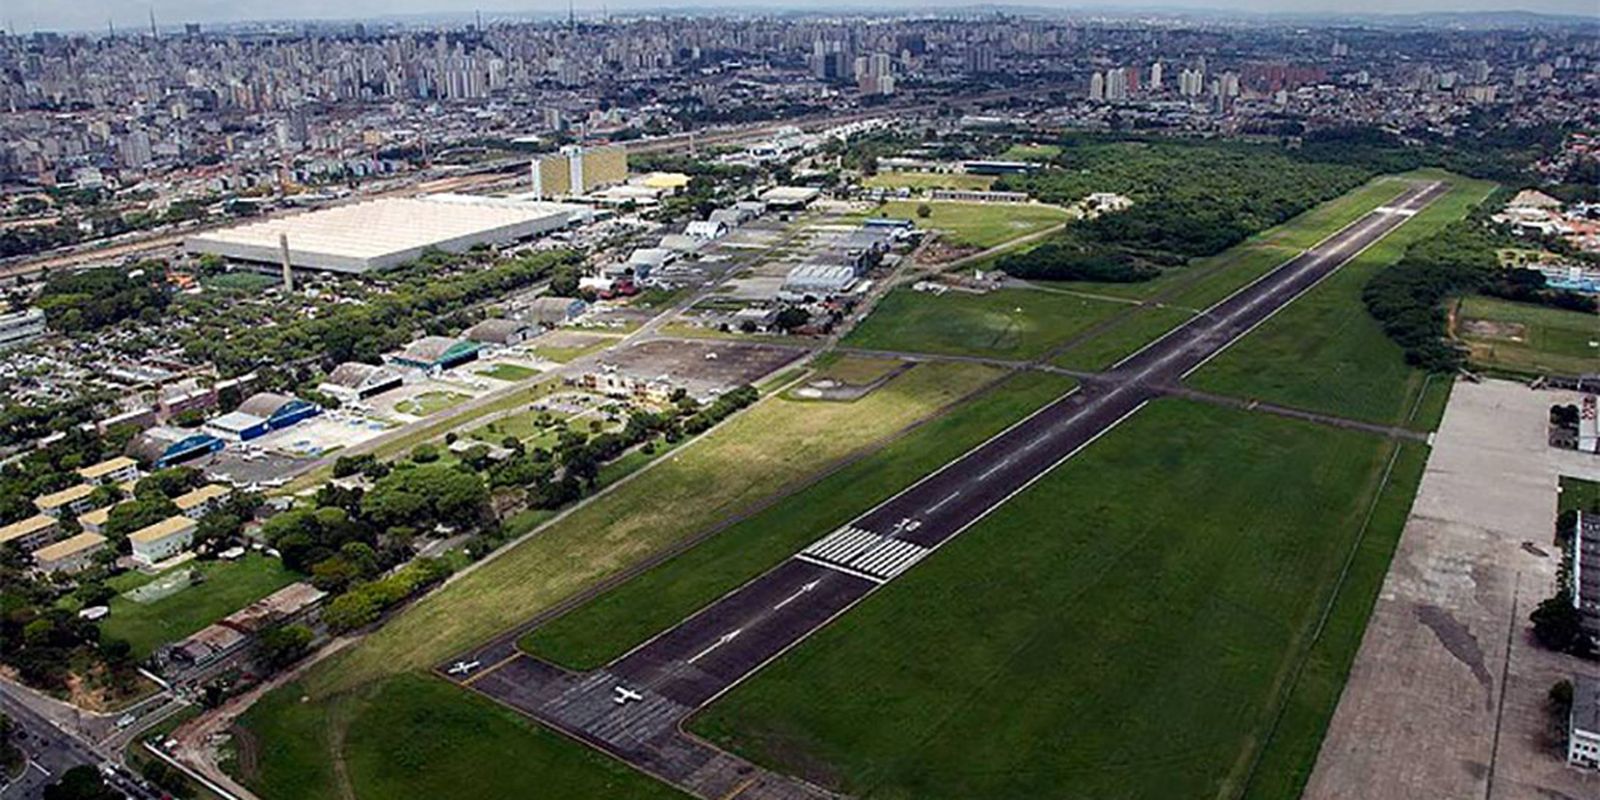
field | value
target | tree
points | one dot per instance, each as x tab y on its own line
81	783
10	755
282	645
924	210
1559	626
791	318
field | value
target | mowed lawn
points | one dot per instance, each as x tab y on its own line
1315	225
1141	328
1009	323
616	621
927	180
228	587
1121	629
414	736
981	225
754	455
1325	352
1529	338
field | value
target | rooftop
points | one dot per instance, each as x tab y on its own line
201	496
1586	704
67	496
69	547
104	468
26	527
168	527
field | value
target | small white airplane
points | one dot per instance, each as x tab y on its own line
463	667
624	694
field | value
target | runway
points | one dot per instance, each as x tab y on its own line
689	665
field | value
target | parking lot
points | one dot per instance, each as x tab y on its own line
701	366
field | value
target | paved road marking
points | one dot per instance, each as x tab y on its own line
947	498
1006	462
840	568
738	790
722	640
796	596
875	557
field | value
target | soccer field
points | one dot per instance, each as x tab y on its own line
1121	629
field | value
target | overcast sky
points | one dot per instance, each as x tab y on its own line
28	15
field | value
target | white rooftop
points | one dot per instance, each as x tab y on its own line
382	233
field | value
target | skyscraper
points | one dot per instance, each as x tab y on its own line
1097	88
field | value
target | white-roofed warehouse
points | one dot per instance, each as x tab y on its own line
383	233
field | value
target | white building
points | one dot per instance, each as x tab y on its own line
816	280
202	501
21	327
707	229
1583	724
111	471
69	555
163	540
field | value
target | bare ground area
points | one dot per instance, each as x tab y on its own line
1447	696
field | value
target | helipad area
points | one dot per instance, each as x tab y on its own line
378	234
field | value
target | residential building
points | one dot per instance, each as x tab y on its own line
31	533
69	555
202	501
73	500
1583	724
163	540
1586	571
111	471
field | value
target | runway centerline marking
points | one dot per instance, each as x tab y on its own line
722	640
796	596
1006	462
947	498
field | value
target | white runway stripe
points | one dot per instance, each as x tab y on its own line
864	552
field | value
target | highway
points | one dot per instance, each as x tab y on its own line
689	665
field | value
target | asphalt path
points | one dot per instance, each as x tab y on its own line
633	707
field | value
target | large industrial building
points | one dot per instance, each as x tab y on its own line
576	171
387	232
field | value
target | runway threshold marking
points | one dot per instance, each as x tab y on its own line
491	668
839	568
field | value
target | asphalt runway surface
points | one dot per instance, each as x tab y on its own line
689	665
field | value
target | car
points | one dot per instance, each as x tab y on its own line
125	720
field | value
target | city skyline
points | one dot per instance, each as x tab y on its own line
24	16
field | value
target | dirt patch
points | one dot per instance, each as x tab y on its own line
943	252
1490	329
247	753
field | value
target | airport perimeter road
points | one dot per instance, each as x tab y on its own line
667	678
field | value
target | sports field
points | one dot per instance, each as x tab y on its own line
1529	338
1010	323
927	180
1325	352
1121	629
226	587
981	225
620	619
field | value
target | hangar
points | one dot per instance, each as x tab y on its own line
354	381
386	232
260	414
162	446
435	352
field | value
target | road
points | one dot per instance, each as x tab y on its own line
691	664
51	751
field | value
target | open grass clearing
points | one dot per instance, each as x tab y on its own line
928	180
746	460
981	225
227	587
1318	223
1135	595
429	403
1031	152
1009	323
852	369
1579	494
1324	352
1528	338
1142	327
507	372
612	623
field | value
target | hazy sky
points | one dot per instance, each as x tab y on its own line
27	15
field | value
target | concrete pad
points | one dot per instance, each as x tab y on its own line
1446	698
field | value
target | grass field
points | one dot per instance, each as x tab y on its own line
1141	328
981	225
614	622
1129	598
508	372
1529	338
430	403
746	460
927	180
1031	152
1578	494
228	587
1010	323
1325	352
853	370
1315	225
562	355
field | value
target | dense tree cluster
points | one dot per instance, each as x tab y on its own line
418	298
366	602
1408	298
1190	199
85	301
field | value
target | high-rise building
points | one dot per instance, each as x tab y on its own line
1155	76
874	74
1097	87
578	170
1191	83
1116	85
